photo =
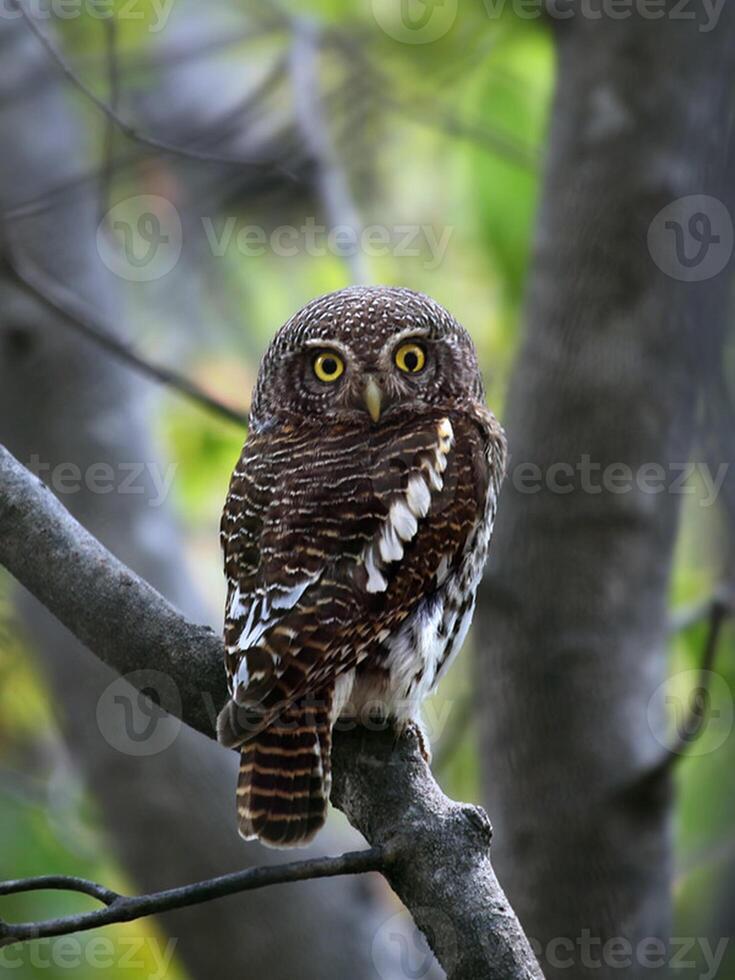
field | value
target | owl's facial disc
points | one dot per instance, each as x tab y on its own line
363	355
341	381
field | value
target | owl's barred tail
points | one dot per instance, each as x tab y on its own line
284	783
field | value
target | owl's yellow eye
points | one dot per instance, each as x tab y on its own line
410	358
328	366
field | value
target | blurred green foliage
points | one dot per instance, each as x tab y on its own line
495	78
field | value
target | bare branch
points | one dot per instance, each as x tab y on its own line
332	181
131	131
681	620
699	703
502	145
245	110
78	315
124	908
692	615
431	113
111	610
440	864
109	26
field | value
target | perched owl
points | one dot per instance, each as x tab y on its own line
355	532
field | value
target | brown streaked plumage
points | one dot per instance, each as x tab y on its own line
354	532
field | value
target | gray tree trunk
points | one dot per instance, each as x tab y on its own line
170	815
574	606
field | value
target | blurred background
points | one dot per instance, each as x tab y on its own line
182	177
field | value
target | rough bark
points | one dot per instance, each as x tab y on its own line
439	850
170	815
573	610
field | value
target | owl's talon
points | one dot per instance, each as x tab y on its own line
417	730
354	534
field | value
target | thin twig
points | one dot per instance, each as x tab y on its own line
435	116
332	182
681	620
691	615
123	908
248	104
131	131
435	851
719	610
173	55
692	728
78	315
41	202
501	144
109	26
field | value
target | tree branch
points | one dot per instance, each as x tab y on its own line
719	610
440	865
109	27
332	181
84	320
680	621
131	131
121	618
125	908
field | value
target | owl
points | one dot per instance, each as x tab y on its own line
355	531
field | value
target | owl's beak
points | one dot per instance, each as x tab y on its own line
373	398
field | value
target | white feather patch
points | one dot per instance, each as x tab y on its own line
406	510
403	520
442	571
237	605
418	496
376	581
433	477
287	599
446	441
242	675
390	546
255	626
446	432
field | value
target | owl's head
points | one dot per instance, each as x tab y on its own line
361	355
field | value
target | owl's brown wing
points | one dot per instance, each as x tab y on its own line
330	544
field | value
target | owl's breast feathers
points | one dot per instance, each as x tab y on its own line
334	539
